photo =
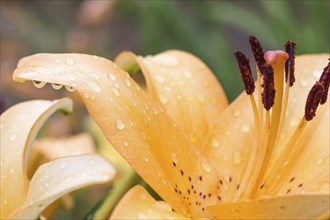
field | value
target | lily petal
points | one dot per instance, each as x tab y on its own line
138	204
134	124
54	148
59	177
19	126
283	207
311	165
184	86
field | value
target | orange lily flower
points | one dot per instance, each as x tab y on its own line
205	158
25	199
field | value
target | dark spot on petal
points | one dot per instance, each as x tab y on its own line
189	178
200	178
262	186
219	198
289	190
182	173
237	187
174	164
282	207
292	179
221	182
300	185
230	179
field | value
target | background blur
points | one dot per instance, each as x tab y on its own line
211	30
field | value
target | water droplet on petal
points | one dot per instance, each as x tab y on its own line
165	59
237	158
115	91
159	78
86	95
294	121
237	113
56	86
120	124
206	167
38	84
11	170
94	86
303	82
174	157
317	74
63	165
125	143
245	127
111	76
187	74
163	98
320	161
70	61
162	206
201	98
127	82
70	88
146	159
13	137
215	143
57	61
141	216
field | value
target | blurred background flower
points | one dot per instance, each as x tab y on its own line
211	30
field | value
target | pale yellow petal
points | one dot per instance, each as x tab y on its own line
138	204
285	207
184	86
135	125
61	176
53	148
19	126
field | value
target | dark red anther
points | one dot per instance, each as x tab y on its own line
313	100
268	93
289	64
258	53
325	81
246	73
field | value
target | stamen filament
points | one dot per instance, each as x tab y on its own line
284	162
259	168
252	160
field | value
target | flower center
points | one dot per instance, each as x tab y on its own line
269	113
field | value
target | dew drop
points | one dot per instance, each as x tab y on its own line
94	86
70	88
294	121
228	133
111	76
162	206
159	78
125	143
38	84
237	158
201	98
166	60
11	170
146	159
115	91
86	95
120	124
206	167
141	216
215	143
70	61
57	61
303	82
245	127
12	137
5	201
317	74
174	158
320	161
127	82
163	98
237	113
56	86
63	165
187	74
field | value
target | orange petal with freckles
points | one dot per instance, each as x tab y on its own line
135	125
284	207
184	86
138	204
